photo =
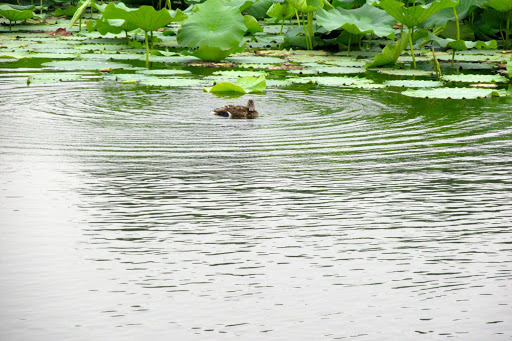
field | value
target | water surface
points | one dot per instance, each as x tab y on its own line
132	212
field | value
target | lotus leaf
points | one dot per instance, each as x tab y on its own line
84	65
460	45
390	53
14	13
144	17
68	12
252	24
243	85
242	5
453	93
215	54
366	19
405	73
114	26
500	5
259	8
413	83
445	15
235	74
213	24
172	82
476	78
306	6
255	60
281	12
332	81
414	15
54	77
164	72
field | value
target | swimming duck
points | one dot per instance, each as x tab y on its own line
238	111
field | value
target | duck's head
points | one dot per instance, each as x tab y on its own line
250	105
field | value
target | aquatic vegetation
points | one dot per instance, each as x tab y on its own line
15	13
243	85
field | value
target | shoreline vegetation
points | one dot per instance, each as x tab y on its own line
427	49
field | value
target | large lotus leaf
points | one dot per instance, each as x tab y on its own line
213	25
453	93
243	85
144	17
306	6
259	8
442	17
413	84
366	19
500	5
460	45
414	15
242	5
103	26
68	12
475	78
252	24
214	53
390	53
11	13
281	12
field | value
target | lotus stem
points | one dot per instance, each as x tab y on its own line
436	64
168	3
310	29
508	30
281	31
305	33
412	48
80	24
127	39
349	42
298	19
147	49
41	10
10	23
457	23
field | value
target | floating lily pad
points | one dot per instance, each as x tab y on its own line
84	65
235	74
255	60
476	78
404	72
55	77
413	83
111	56
172	82
332	81
453	93
164	72
469	66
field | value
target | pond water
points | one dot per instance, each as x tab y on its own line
132	212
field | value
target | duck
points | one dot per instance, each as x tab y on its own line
237	111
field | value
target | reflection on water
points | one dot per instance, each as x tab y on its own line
337	214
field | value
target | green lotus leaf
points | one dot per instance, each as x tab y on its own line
163	72
68	12
281	12
390	53
413	84
213	24
242	5
342	70
475	78
172	82
405	72
55	77
243	85
214	53
144	17
79	11
236	74
114	26
84	65
332	81
259	8
366	19
453	93
461	45
306	6
13	14
463	8
414	15
500	5
252	24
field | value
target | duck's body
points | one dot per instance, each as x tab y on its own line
237	111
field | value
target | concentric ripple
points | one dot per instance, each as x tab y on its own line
336	214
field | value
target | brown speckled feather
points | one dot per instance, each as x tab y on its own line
237	111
